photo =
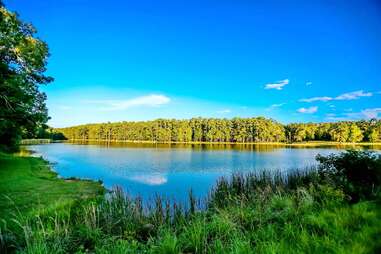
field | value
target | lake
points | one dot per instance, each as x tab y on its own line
171	170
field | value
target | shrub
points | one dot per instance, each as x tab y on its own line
357	173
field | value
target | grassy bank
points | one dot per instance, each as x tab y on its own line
334	209
35	141
28	186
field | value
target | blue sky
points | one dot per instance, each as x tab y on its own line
136	60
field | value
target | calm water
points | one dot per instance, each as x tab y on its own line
171	170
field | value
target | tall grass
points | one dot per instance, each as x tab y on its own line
247	186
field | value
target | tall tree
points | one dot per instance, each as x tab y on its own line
355	133
23	63
340	132
373	135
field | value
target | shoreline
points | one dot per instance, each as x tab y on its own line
309	143
35	176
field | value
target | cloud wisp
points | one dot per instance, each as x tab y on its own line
277	105
224	111
152	100
313	99
277	85
309	110
353	95
345	96
367	114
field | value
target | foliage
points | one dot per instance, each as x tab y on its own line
44	132
194	130
357	173
240	130
339	132
23	63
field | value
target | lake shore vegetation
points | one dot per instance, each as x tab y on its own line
334	208
28	186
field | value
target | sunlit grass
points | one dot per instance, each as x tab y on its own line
28	186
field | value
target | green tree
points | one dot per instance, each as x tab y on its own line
373	135
340	132
23	63
256	129
355	133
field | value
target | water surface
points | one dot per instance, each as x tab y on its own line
171	170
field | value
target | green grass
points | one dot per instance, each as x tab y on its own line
303	212
28	186
315	219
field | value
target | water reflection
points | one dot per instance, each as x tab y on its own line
172	169
150	179
222	146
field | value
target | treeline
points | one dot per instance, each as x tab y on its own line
346	131
193	130
239	130
44	132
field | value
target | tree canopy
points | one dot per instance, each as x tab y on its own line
240	130
243	130
23	63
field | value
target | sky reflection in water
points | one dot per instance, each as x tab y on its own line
171	170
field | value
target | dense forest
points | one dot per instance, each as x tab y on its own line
240	130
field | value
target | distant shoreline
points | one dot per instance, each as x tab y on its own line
309	143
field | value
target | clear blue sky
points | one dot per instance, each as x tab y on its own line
135	60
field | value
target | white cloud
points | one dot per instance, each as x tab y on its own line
324	98
345	96
335	118
309	110
274	106
308	83
277	85
152	100
353	95
224	111
277	105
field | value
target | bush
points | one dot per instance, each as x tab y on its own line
357	173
